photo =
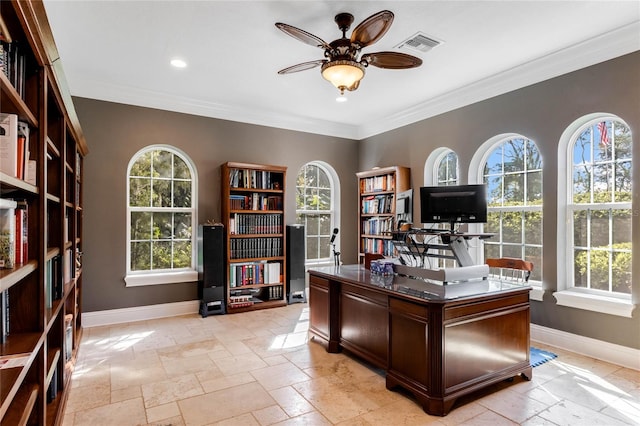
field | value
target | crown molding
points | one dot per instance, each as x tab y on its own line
619	42
616	43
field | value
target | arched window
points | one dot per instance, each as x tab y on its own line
512	171
598	207
161	215
317	195
441	168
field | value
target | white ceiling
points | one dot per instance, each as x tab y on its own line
119	51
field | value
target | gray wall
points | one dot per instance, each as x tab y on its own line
115	132
540	112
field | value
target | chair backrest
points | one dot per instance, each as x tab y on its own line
510	268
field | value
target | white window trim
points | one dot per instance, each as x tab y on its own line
567	294
432	164
476	175
156	277
334	182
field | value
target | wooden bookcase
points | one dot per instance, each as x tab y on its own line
253	216
377	195
44	292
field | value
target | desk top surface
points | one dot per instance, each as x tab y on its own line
416	288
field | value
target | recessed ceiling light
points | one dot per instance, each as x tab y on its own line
178	63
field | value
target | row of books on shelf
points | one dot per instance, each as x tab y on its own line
15	158
378	183
377	225
255	247
254	179
255	201
14	232
53	280
252	273
377	204
377	245
13	61
4	316
240	223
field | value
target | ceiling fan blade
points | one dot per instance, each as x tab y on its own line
372	29
302	67
303	36
391	60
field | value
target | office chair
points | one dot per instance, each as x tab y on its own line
518	270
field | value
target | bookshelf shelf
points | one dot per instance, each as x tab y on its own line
378	191
253	217
45	181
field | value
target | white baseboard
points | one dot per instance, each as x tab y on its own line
139	313
609	352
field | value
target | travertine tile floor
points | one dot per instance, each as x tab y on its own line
258	368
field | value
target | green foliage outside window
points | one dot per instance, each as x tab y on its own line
161	235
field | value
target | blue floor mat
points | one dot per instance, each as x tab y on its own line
538	356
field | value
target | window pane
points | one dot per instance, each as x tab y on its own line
622	144
534	160
494	191
324	199
142	166
181	193
582	184
141	256
161	193
182	226
491	250
323	179
325	224
140	226
514	190
534	188
493	223
599	228
312	248
139	192
582	149
180	168
533	227
580	229
534	255
313	225
623	182
162	162
311	199
161	255
300	199
512	251
494	162
182	254
513	155
162	226
622	271
512	227
599	269
602	179
580	268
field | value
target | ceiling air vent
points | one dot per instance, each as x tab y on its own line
419	42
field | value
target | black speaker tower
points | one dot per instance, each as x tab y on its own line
212	282
296	273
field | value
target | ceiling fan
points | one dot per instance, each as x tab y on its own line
343	66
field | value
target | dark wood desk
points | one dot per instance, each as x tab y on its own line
438	342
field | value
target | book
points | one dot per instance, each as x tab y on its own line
9	144
7	233
4	316
22	149
22	232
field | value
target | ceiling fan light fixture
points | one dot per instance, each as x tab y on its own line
343	74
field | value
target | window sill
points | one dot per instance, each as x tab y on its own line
591	302
536	293
161	278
